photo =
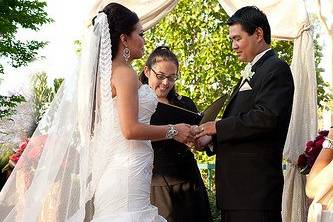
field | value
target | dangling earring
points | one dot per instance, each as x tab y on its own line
126	54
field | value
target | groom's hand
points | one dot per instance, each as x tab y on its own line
202	142
208	128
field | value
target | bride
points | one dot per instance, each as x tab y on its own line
90	158
319	184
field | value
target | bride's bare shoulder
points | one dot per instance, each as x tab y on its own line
123	74
122	69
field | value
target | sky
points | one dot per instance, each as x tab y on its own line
58	57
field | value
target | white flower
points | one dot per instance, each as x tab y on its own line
246	73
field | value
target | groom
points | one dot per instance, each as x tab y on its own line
248	141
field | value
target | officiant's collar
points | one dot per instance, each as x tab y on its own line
257	57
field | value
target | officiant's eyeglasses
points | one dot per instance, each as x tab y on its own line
162	77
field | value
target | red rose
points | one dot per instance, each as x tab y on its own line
14	157
311	152
34	152
302	161
308	149
309	143
37	143
323	133
319	143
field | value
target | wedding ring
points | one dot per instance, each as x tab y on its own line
202	129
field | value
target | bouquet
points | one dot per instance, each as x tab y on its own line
13	158
311	152
37	143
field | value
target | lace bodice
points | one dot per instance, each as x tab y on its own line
147	103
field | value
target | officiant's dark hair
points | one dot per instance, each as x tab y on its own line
162	53
121	21
250	18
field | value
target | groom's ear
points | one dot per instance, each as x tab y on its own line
259	34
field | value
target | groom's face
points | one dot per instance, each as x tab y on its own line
243	44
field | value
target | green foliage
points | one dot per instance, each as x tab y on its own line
15	14
6	150
8	104
324	92
201	157
216	213
197	32
285	52
43	94
78	47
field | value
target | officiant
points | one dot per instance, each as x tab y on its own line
177	188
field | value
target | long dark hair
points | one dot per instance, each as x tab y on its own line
121	21
162	53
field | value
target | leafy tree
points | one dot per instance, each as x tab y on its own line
197	32
43	94
7	104
324	92
15	14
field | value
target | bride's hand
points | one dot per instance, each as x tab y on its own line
184	134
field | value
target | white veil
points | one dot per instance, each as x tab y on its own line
57	174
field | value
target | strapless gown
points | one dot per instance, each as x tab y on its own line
123	193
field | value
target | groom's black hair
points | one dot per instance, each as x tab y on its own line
250	18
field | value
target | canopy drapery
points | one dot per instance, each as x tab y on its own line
289	21
149	11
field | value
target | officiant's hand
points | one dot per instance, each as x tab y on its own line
184	134
208	128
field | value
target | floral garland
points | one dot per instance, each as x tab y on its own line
306	160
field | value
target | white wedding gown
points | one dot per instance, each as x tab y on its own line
123	193
317	214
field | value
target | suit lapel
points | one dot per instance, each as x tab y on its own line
262	59
234	92
253	69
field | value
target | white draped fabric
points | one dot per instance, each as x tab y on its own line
286	18
289	20
303	126
149	11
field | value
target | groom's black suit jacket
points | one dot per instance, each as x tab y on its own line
250	139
